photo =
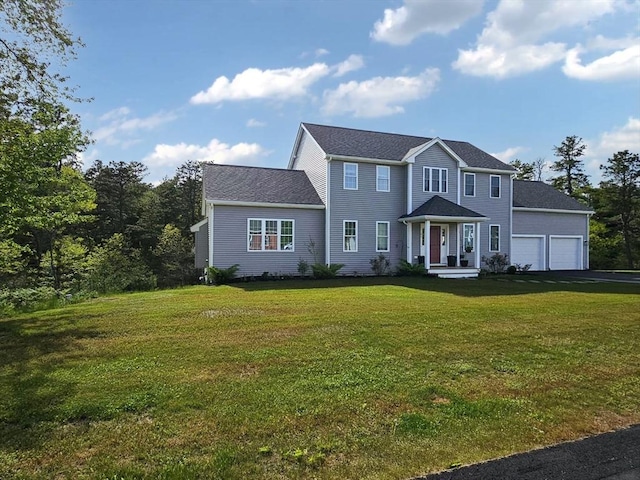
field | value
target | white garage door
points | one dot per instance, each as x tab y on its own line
528	250
565	253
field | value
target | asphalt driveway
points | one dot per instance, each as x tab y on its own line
597	275
609	456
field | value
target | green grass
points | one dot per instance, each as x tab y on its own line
345	378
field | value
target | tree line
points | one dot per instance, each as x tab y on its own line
614	233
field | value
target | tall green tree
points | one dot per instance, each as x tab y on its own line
572	179
619	201
524	170
34	47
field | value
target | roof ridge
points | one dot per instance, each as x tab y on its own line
251	166
368	131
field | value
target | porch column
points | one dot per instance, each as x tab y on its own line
427	244
477	244
458	226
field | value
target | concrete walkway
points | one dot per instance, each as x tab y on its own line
609	456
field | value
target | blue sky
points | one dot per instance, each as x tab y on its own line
230	80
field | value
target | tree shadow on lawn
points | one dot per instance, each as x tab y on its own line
31	398
492	285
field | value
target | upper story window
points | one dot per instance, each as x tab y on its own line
270	235
350	233
469	184
351	176
494	186
383	175
435	179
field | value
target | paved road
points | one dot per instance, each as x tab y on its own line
609	456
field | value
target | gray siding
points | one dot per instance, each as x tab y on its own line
433	157
367	206
549	223
310	158
498	210
230	233
202	246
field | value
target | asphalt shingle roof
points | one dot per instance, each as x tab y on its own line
255	184
542	195
441	207
350	142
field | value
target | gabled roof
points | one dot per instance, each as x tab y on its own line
231	183
541	195
349	142
440	207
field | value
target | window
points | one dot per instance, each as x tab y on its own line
382	236
494	186
494	238
350	176
468	237
382	178
350	232
270	235
469	184
435	180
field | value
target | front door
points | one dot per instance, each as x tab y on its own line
434	244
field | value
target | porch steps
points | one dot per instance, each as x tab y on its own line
454	272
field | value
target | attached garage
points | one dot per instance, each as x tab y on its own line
565	252
528	249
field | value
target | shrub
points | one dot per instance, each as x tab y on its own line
24	299
511	269
522	268
175	257
323	271
379	264
303	267
496	263
406	269
220	276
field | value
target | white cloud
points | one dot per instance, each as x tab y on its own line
621	65
510	44
215	151
354	62
253	83
253	123
599	150
379	96
121	127
320	52
509	154
416	17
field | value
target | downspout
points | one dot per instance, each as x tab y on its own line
327	217
477	242
409	230
210	262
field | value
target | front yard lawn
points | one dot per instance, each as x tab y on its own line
346	378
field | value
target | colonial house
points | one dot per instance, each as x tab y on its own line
350	195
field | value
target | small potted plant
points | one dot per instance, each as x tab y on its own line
463	261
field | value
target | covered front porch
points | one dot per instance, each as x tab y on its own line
444	237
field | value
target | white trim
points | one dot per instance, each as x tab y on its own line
499	233
231	203
388	178
510	213
210	259
344	222
409	242
344	176
196	227
494	171
552	210
414	152
477	246
474	237
379	161
499	186
464	184
388	236
409	188
458	176
327	220
296	146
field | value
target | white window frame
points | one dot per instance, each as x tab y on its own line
491	227
427	174
491	177
464	184
379	169
471	237
345	176
279	235
378	237
344	236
